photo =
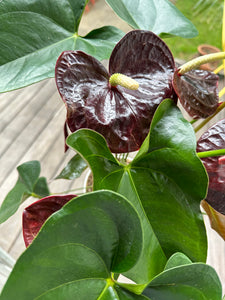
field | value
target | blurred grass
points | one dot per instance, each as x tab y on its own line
208	23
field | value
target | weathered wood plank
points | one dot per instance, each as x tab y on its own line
17	141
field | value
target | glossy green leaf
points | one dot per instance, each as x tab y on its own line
178	183
29	183
166	178
177	259
90	289
126	295
92	146
159	16
192	281
73	169
91	236
34	33
83	289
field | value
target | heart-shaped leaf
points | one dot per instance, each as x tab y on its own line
159	16
34	33
182	280
187	281
90	289
38	212
77	248
121	115
177	259
73	169
198	92
166	178
104	164
29	183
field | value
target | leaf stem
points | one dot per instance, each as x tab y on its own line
193	121
204	122
35	196
198	61
211	153
217	70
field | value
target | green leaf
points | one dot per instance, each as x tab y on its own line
91	236
177	259
73	169
83	289
41	188
92	146
159	16
29	173
192	281
99	42
178	183
166	178
90	289
29	183
33	35
126	295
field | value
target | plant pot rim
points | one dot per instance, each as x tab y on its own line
211	49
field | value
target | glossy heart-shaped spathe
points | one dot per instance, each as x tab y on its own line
198	92
121	115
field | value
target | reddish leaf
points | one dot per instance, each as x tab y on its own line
122	116
217	220
198	92
214	139
38	212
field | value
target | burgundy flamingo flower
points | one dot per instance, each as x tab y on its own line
121	113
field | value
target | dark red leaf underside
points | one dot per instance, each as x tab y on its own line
122	116
214	139
38	212
198	92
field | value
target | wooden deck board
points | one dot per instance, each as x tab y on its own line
40	138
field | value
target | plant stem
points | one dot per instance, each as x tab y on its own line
196	62
220	68
211	153
204	122
193	121
35	196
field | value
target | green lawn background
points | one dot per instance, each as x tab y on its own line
208	23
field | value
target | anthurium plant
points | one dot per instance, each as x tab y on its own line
142	221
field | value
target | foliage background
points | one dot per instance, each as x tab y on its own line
208	21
